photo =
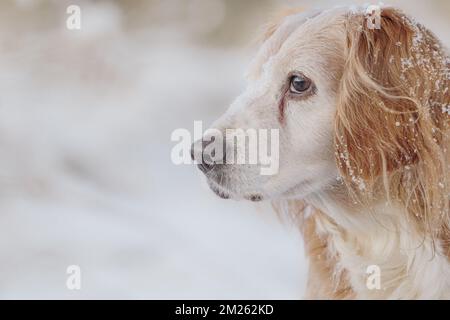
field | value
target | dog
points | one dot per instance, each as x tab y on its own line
363	115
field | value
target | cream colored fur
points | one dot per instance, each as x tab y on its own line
411	267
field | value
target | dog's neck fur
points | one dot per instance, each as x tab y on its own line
342	240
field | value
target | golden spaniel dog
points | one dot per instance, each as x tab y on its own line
363	119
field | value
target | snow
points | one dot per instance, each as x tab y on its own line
85	124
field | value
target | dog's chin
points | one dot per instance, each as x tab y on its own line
224	193
219	190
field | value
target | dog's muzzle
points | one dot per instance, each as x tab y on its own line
205	162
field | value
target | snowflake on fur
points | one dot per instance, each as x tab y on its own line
446	109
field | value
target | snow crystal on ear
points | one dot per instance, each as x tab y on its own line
446	109
407	63
354	177
417	38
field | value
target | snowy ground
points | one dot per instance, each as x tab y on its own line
85	127
86	176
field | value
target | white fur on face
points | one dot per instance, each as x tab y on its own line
312	46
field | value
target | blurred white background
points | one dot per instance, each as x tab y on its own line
85	169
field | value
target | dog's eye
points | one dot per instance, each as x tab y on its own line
299	84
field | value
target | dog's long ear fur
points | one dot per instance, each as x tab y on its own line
392	121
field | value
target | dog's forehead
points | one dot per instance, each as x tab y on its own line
299	33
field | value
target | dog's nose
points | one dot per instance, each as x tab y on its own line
193	151
197	149
205	161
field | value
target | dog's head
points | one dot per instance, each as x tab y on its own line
348	101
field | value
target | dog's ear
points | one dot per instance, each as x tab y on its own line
390	108
392	118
